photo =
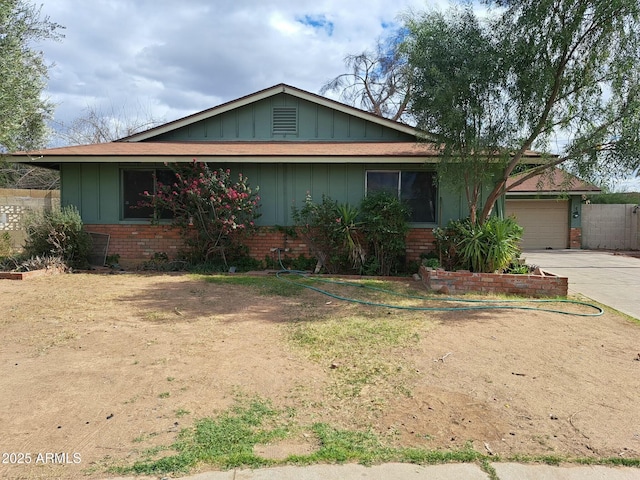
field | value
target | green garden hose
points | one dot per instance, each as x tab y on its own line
485	304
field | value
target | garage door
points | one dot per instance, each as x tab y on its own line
545	222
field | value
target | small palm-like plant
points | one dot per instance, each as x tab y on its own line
348	228
487	247
502	238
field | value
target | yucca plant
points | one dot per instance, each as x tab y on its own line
502	239
348	228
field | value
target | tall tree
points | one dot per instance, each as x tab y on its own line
378	81
457	97
538	70
23	74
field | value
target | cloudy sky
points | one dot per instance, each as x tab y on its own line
164	59
170	58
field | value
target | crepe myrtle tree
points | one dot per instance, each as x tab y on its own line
211	210
490	89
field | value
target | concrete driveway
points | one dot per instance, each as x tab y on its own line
610	279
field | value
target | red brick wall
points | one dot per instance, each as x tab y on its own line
138	243
465	281
575	237
419	240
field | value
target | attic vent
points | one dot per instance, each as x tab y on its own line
285	120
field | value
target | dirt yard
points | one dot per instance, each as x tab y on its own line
99	367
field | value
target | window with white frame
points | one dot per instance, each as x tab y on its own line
417	189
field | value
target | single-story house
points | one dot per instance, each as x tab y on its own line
287	141
549	208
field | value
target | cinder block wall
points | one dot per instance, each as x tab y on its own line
15	203
611	227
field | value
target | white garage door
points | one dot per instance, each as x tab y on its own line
545	222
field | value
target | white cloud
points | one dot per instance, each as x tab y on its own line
177	58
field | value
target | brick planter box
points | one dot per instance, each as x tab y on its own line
544	285
31	274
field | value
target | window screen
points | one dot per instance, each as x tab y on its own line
134	184
137	181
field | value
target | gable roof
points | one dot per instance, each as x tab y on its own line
145	147
261	95
555	182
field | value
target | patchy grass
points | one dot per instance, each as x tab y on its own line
264	285
359	350
226	441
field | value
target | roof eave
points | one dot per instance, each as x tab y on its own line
332	159
555	193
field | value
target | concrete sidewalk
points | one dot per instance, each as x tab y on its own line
404	471
607	278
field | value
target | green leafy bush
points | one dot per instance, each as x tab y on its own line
369	239
5	245
488	247
431	263
321	225
385	225
58	233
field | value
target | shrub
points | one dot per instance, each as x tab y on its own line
5	245
41	263
385	225
211	210
487	247
321	225
431	262
58	233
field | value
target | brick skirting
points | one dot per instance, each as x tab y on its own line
137	243
546	285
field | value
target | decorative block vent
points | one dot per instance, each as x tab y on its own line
11	217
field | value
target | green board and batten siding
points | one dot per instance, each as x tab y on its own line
314	123
95	188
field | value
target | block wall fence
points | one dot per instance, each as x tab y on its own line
16	203
138	243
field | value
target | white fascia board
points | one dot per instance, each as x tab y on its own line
235	159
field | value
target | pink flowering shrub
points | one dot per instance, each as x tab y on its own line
212	210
